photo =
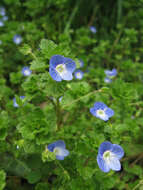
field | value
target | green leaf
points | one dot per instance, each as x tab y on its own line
2	179
42	186
26	49
48	156
34	176
86	172
38	65
48	48
50	86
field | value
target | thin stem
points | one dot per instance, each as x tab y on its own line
132	156
82	97
138	159
93	16
86	161
119	10
33	55
136	103
60	165
114	44
72	16
140	183
116	40
58	114
110	124
43	104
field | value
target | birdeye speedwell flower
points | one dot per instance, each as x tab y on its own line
107	80
59	148
109	156
100	110
61	68
78	74
17	39
111	73
26	71
93	29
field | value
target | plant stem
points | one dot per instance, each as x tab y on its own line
140	183
72	16
58	114
82	97
33	55
119	10
64	171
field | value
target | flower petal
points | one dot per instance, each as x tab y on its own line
66	75
14	103
93	111
107	80
54	74
60	157
56	60
111	73
102	164
62	152
70	64
109	112
118	151
51	147
58	143
99	105
104	147
103	116
114	163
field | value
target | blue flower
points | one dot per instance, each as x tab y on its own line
92	29
61	68
0	42
15	103
26	71
100	110
17	39
5	18
81	63
2	11
60	99
109	156
111	73
59	149
107	80
78	74
1	23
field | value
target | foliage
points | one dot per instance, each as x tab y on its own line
61	27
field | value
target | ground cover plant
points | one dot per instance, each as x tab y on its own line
71	89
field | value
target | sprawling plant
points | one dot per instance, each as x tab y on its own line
71	80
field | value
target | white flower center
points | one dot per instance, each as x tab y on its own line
107	155
27	72
56	151
61	68
111	160
78	75
100	112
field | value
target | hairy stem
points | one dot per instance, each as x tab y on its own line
58	114
80	98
